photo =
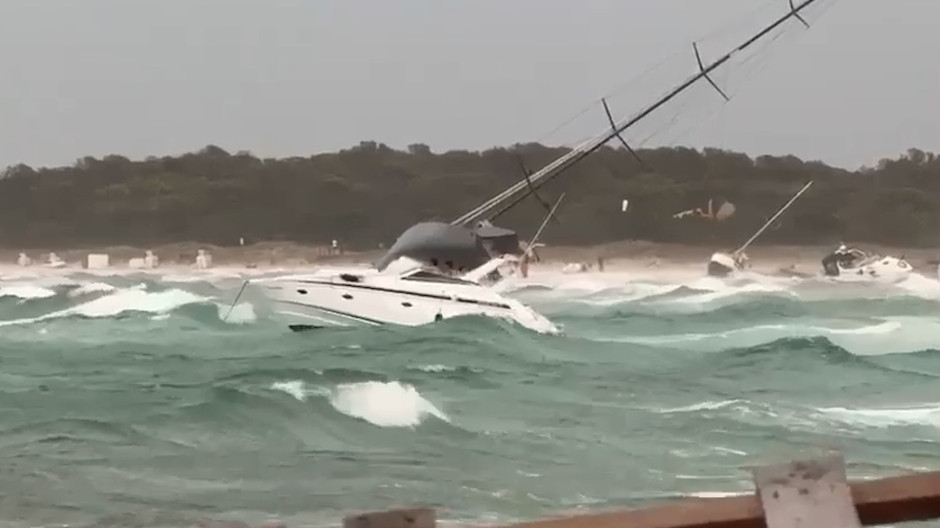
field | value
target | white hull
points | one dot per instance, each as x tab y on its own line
884	270
722	265
357	296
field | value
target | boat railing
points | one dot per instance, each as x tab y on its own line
805	493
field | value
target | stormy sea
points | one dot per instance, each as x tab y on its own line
137	399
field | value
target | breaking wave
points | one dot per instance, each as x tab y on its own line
680	384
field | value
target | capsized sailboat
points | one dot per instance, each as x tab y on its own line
445	262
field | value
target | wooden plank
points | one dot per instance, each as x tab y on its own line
806	494
891	500
409	518
898	499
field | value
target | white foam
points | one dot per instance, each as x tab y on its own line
720	290
637	291
295	388
702	406
717	494
436	368
920	286
92	287
390	404
928	414
386	404
242	313
130	299
134	299
25	291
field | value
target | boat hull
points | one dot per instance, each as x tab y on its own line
326	301
721	265
885	270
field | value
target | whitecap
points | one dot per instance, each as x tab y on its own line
92	287
928	414
241	313
26	291
386	404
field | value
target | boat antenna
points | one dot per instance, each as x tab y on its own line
589	146
774	217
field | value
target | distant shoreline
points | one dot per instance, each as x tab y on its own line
625	253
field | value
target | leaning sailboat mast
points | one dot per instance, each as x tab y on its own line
581	151
774	217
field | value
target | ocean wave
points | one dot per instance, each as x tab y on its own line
895	335
25	291
112	379
385	404
922	415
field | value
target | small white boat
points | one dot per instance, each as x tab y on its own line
854	265
723	264
406	293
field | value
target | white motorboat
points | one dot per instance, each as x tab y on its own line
854	265
406	293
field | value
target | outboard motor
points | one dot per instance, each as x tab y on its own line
842	257
830	264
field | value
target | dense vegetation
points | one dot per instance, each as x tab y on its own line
368	194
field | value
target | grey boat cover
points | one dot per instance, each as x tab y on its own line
451	247
438	243
498	240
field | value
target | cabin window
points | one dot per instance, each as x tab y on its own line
348	277
406	304
347	296
302	292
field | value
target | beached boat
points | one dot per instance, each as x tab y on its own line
461	248
406	293
722	264
851	264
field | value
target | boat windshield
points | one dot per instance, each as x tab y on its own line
430	276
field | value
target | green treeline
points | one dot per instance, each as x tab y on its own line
368	194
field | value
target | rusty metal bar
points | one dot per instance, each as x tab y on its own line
889	500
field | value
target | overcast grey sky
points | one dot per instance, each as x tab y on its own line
295	77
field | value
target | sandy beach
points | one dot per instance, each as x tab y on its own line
617	256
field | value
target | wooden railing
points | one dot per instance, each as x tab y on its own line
807	494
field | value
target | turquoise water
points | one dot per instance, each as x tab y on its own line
127	401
